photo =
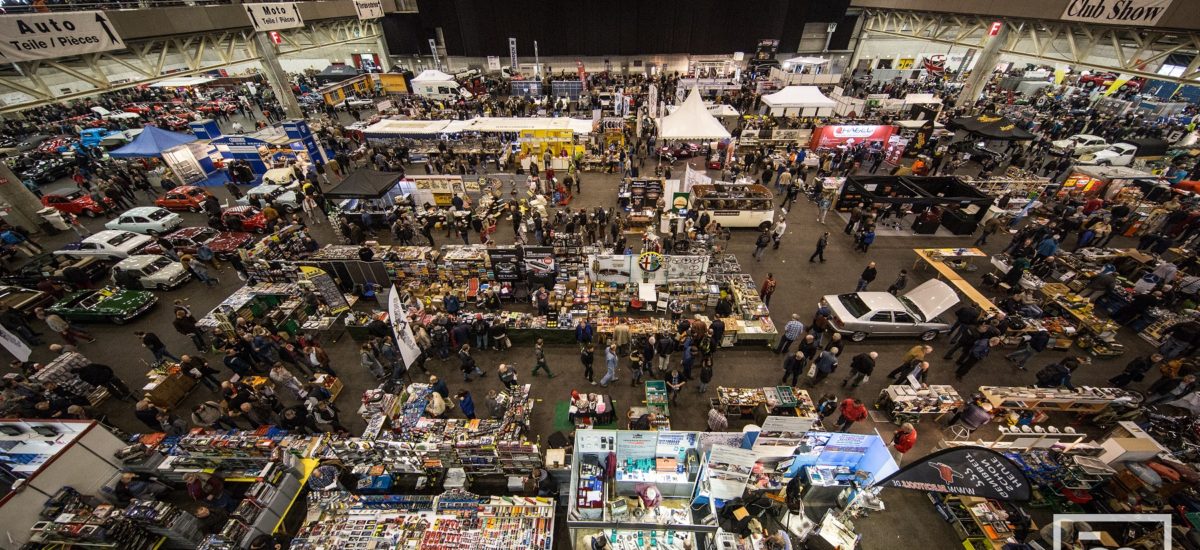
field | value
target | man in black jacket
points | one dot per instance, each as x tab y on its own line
964	316
861	367
102	375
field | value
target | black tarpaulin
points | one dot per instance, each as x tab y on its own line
992	126
364	184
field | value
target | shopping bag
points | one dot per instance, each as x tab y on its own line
812	370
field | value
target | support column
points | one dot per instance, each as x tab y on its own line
277	77
385	61
983	68
23	202
858	40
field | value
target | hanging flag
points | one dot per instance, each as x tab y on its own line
1116	84
970	471
401	328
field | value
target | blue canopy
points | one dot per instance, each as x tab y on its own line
151	143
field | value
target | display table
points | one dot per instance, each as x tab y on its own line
1103	333
979	522
906	404
168	389
1087	400
778	401
658	398
934	257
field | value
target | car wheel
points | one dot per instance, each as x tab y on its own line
929	335
858	336
162	286
764	226
151	232
193	208
89	213
260	230
116	320
1104	163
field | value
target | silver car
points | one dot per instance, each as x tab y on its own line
863	314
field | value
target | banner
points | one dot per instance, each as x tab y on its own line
1116	12
368	9
32	36
540	266
692	177
493	62
1116	84
512	56
610	268
14	345
398	317
834	136
506	263
652	100
970	471
728	471
274	16
780	435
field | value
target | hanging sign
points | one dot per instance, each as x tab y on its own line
970	471
14	345
368	9
401	329
493	63
1116	12
274	17
506	263
512	56
50	35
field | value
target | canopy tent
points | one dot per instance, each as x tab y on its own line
364	184
922	99
151	143
182	82
715	110
336	72
428	129
801	61
991	126
392	128
432	75
692	121
804	100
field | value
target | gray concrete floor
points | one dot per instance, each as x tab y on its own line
909	517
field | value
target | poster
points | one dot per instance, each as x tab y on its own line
837	135
687	269
636	445
506	263
610	268
326	287
707	440
14	345
274	16
493	63
971	471
540	266
1121	12
780	435
679	201
728	471
398	317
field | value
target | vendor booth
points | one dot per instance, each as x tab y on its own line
272	147
335	93
839	135
691	122
1108	182
991	126
936	201
187	159
370	192
803	101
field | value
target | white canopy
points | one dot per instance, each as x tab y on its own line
793	97
432	75
716	110
692	121
391	128
923	99
406	128
802	60
182	82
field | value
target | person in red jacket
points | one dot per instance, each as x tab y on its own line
903	440
852	410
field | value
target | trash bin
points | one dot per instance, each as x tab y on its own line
54	220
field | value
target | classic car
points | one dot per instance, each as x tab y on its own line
188	239
1105	79
112	244
55	268
78	203
1117	154
114	305
184	197
146	271
244	218
23	299
42	171
1081	143
286	199
150	220
862	314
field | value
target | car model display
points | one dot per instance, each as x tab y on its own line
151	220
284	198
146	271
58	269
244	218
184	197
78	203
1117	154
23	299
114	305
1081	143
188	239
113	244
863	314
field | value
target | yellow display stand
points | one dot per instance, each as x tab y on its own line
307	465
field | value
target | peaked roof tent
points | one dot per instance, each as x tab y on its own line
692	121
151	143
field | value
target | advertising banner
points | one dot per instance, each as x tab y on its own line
401	328
512	56
728	471
32	36
506	263
611	268
780	435
368	9
540	266
970	471
834	136
1133	13
14	345
493	62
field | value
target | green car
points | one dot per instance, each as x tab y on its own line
114	305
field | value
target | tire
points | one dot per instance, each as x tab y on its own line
89	213
1104	163
193	208
151	232
764	226
161	286
858	336
260	230
929	335
116	320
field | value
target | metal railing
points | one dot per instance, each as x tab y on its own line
47	6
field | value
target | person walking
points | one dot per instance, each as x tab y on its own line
636	367
587	356
824	364
767	289
850	411
868	275
861	367
675	382
366	358
989	228
777	234
978	351
914	354
903	441
156	346
64	328
793	366
791	331
900	283
663	348
1136	370
760	244
610	365
468	365
706	373
539	360
103	376
507	376
1032	344
822	242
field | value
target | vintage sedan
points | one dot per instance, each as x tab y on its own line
56	268
147	271
184	197
286	199
111	244
78	203
148	220
244	218
187	240
863	314
107	304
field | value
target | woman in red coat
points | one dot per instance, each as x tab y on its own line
903	440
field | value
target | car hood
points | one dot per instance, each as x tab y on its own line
169	272
122	300
932	298
1062	143
229	240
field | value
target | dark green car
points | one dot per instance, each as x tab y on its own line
114	305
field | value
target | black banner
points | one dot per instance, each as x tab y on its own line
506	263
970	471
540	266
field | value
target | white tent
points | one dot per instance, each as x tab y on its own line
432	75
435	84
692	121
799	100
800	61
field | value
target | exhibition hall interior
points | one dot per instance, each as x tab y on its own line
547	275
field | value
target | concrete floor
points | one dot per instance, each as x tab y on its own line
909	517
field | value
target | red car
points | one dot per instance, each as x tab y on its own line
184	197
188	239
78	203
217	107
1105	79
244	218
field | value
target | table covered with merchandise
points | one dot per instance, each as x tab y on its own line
778	400
906	404
1084	400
